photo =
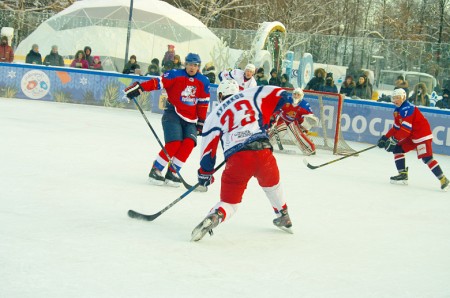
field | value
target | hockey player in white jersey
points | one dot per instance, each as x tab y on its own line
244	78
239	122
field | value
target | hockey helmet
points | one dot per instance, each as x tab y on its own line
193	58
398	92
298	91
250	67
226	88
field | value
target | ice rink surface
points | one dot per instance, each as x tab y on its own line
69	173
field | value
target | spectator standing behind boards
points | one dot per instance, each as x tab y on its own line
274	79
420	96
168	56
210	72
177	62
54	58
34	57
155	62
132	67
6	51
97	63
329	84
153	70
362	89
285	81
79	61
88	57
444	103
318	81
402	83
348	86
260	78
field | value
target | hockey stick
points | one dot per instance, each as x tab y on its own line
335	160
151	217
186	185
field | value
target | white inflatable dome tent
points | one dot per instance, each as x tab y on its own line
103	25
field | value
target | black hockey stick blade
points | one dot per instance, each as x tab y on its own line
137	215
151	217
335	160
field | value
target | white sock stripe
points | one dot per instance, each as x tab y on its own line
177	162
161	161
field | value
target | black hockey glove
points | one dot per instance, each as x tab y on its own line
390	144
382	142
134	90
200	126
205	178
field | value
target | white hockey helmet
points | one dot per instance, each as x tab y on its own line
298	99
226	88
250	67
398	92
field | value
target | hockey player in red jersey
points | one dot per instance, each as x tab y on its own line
239	124
297	119
411	130
244	78
183	118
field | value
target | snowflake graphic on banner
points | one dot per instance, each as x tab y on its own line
83	81
11	74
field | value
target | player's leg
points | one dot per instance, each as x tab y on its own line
425	152
400	163
301	139
238	171
268	176
173	136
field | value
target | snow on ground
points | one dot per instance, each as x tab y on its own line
69	173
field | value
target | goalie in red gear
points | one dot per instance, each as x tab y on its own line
295	118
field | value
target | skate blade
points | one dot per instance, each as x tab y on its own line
200	231
155	182
446	188
399	182
171	183
287	230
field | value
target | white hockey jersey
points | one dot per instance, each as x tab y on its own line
240	119
238	76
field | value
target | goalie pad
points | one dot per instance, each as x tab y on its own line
309	121
301	139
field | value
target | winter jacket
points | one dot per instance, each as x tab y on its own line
82	63
420	98
347	89
53	59
6	53
33	58
318	81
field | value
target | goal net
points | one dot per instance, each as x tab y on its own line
327	135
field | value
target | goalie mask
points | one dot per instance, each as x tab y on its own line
297	95
227	88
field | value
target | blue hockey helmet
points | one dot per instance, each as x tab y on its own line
193	58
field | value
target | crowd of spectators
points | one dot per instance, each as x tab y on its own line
354	86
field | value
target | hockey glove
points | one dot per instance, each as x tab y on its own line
133	90
382	142
390	144
205	178
200	126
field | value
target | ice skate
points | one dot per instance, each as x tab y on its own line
172	179
283	222
206	226
155	177
401	178
445	183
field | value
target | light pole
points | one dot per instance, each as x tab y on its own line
130	17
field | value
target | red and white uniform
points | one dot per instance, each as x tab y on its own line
188	94
411	128
240	120
239	76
